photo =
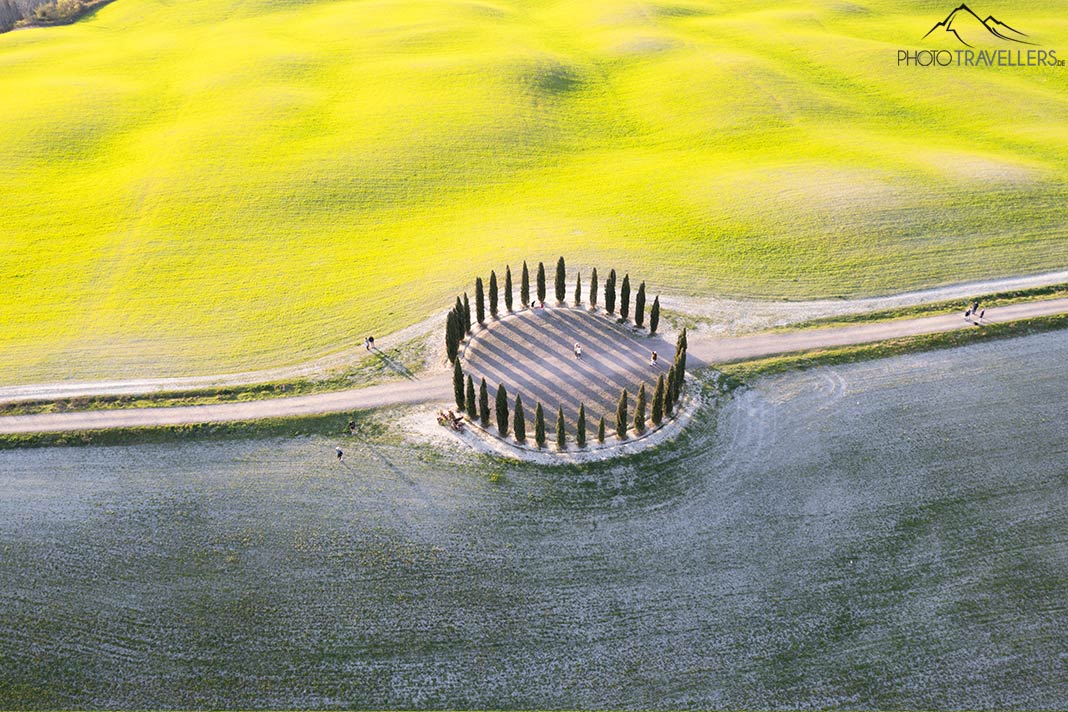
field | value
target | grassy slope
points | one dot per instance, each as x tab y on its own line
216	185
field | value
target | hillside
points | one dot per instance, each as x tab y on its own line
221	185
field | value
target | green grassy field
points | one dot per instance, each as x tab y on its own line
215	185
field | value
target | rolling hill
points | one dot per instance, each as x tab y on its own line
221	185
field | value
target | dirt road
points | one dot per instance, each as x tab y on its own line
438	387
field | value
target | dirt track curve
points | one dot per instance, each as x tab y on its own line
703	350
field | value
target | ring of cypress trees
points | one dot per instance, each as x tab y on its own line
459	324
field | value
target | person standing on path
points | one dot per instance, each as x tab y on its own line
652	359
340	455
370	342
981	314
367	342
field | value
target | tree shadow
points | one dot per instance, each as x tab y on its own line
394	364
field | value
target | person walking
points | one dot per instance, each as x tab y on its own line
981	314
578	351
370	342
340	455
652	359
367	342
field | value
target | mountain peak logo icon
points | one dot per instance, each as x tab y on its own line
970	30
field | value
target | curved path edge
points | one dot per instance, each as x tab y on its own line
703	349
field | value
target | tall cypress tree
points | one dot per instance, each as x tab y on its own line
639	306
520	423
639	411
684	347
524	286
658	402
541	282
539	426
469	399
578	288
501	407
580	426
493	293
600	431
621	416
610	293
669	389
467	314
593	288
483	403
508	288
460	316
654	315
561	286
480	302
458	383
453	331
624	297
561	436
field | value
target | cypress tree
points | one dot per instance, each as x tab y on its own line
639	306
502	410
452	335
684	347
600	431
624	297
520	423
469	399
467	314
524	286
508	288
541	282
639	411
593	288
580	427
669	389
680	373
483	404
458	383
539	426
561	436
610	293
621	416
460	316
658	402
578	288
493	293
654	315
480	302
561	287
